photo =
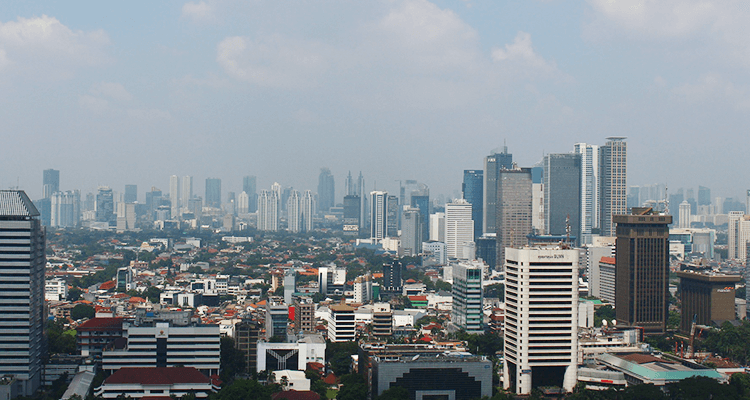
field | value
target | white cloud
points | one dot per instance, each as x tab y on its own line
663	18
198	11
93	103
274	61
44	43
112	90
712	88
521	51
148	114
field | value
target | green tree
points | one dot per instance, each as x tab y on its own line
244	389
353	387
152	294
339	355
395	393
232	360
74	294
605	312
82	311
60	341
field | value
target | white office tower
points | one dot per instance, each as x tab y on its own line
125	217
363	289
65	209
739	234
268	211
537	207
589	189
684	216
541	318
467	313
411	232
187	191
276	188
379	215
22	263
601	282
294	212
437	227
174	195
459	227
290	285
308	210
243	203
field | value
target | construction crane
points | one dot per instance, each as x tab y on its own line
691	348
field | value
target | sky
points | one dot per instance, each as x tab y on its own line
114	92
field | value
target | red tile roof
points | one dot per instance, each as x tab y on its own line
102	323
608	260
157	376
418	298
108	285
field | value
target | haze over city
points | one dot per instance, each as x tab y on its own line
118	93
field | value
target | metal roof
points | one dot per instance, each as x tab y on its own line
15	203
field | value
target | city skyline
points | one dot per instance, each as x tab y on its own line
291	89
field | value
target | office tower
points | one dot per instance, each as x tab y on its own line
195	206
50	182
634	196
277	317
473	191
420	199
249	184
363	289
174	195
350	188
538	213
705	298
187	190
379	215
391	226
675	199
437	227
331	280
382	320
642	281
392	282
486	249
600	270
308	210
562	193
65	209
466	313
243	203
131	194
747	202
738	230
364	210
493	164
153	199
612	183
352	213
304	315
285	193
411	232
290	285
268	211
459	227
704	196
105	205
294	212
213	192
513	209
341	327
541	318
684	212
125	217
22	290
589	182
326	190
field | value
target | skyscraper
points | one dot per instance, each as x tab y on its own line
391	226
513	209
473	192
249	186
541	324
420	199
684	213
392	282
50	182
105	205
411	232
352	214
268	211
174	195
642	271
562	193
308	210
379	215
459	227
738	234
22	290
187	190
294	212
589	189
213	192
493	164
65	209
131	194
466	312
326	190
613	183
243	203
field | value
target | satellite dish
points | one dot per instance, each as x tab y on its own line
614	322
604	322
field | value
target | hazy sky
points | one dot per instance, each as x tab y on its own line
123	92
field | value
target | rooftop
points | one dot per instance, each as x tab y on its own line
102	323
15	203
157	376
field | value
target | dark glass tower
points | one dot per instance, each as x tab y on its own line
562	193
493	164
131	193
249	186
326	190
50	182
473	192
213	192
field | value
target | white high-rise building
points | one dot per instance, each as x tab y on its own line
379	215
363	289
268	211
589	189
174	195
437	227
739	234
187	190
308	210
684	214
467	297
541	317
294	212
276	188
65	209
459	227
243	203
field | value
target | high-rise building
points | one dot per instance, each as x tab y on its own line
187	190
105	205
65	209
704	196
363	289
538	214
562	193
514	207
352	214
22	266
131	194
738	235
213	192
459	227
326	190
411	232
437	227
243	203
493	164
706	298
473	192
391	226
308	210
541	318
379	215
174	195
249	186
642	281
392	282
268	211
50	182
467	313
294	212
684	212
420	199
612	183
589	182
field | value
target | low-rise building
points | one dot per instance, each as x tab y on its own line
156	382
291	356
640	368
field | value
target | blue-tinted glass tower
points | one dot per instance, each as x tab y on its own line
473	191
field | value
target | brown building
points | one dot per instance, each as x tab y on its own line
706	297
642	272
304	316
246	336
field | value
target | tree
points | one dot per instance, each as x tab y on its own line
244	389
82	311
60	341
353	387
339	355
232	360
152	293
74	294
394	393
605	312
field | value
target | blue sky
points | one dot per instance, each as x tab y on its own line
131	92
